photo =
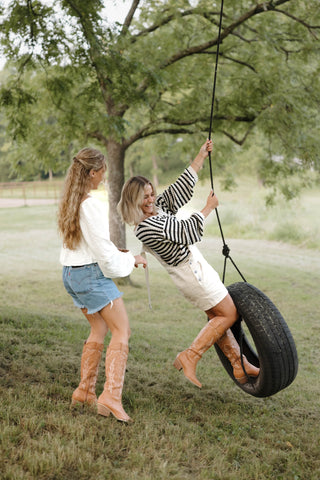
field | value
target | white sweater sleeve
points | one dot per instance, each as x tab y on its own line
95	230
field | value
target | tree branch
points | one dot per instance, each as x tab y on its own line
298	20
178	126
129	17
91	39
234	139
256	10
164	21
230	118
99	136
136	136
245	64
146	133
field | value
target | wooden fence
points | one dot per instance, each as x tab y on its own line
26	191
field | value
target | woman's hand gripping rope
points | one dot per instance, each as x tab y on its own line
197	163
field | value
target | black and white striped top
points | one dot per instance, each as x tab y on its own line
163	233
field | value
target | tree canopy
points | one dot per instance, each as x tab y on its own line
77	78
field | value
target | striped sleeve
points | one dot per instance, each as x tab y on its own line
170	238
178	193
150	231
184	232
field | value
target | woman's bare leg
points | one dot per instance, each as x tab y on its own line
116	319
99	328
227	342
221	317
224	312
110	400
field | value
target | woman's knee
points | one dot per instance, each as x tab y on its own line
100	329
122	332
230	308
226	308
98	326
116	318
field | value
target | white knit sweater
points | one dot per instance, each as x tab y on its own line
95	245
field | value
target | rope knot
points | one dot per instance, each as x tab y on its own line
225	250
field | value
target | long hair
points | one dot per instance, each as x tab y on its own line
76	185
131	200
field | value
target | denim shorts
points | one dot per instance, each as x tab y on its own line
89	288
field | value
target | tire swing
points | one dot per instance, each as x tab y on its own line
276	351
271	346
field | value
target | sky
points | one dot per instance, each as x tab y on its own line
117	10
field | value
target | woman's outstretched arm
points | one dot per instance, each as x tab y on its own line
197	163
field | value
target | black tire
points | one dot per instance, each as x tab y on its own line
274	350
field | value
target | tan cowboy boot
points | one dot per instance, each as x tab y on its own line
90	359
230	347
110	398
189	358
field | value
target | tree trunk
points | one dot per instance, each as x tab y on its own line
115	182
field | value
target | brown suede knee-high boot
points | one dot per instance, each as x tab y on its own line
110	398
231	349
90	359
188	359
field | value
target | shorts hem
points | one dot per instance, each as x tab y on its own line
213	304
91	311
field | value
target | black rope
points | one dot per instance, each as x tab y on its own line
225	249
215	77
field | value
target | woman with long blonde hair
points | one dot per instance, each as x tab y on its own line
172	241
90	261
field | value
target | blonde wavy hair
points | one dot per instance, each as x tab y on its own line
132	196
76	186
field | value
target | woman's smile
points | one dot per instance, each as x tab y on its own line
148	201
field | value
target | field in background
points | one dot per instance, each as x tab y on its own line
244	214
31	190
179	432
242	211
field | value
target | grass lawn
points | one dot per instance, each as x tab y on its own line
179	432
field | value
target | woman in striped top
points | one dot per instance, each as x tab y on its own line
172	241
